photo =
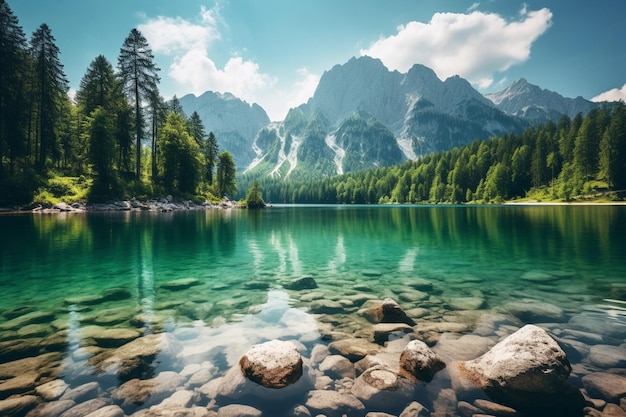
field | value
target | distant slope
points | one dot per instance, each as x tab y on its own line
362	115
534	103
234	122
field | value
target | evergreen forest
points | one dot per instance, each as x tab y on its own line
583	158
118	137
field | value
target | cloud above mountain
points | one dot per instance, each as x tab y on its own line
615	94
187	44
475	46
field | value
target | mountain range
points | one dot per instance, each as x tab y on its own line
363	115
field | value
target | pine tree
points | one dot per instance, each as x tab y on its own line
226	174
613	150
98	86
13	66
139	77
181	164
50	88
210	154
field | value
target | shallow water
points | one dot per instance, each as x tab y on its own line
476	260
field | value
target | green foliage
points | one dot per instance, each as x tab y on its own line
543	163
181	163
254	197
226	174
66	189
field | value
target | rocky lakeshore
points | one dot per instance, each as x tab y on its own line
164	204
305	350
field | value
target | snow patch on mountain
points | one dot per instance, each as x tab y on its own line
340	153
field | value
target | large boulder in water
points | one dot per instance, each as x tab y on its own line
527	371
417	361
274	364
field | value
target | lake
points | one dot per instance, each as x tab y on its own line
74	288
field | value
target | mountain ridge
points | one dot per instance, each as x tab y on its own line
423	114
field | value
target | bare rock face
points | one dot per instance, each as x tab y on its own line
527	371
274	364
417	361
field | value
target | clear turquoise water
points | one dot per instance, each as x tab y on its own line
243	259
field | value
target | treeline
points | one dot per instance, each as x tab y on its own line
564	160
101	136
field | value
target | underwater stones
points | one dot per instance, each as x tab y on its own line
304	283
147	391
115	337
35	317
107	411
111	294
420	284
238	410
322	306
49	409
136	358
417	361
538	277
382	331
533	311
393	313
87	407
527	371
83	392
180	284
18	384
415	409
51	390
608	386
466	303
380	388
337	366
333	404
273	364
354	349
17	406
606	356
452	347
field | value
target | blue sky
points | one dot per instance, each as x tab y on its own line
273	52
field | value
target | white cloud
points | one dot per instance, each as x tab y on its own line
473	7
169	35
192	69
475	46
278	100
302	89
612	95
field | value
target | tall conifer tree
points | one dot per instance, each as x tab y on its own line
13	66
139	77
50	87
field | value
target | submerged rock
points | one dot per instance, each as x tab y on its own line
273	364
180	284
527	371
334	404
304	283
417	361
393	313
354	349
380	388
610	387
533	311
136	358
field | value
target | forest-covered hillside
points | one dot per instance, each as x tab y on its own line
574	158
117	139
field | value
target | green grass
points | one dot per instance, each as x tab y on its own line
63	189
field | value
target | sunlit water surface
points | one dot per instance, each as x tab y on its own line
475	257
